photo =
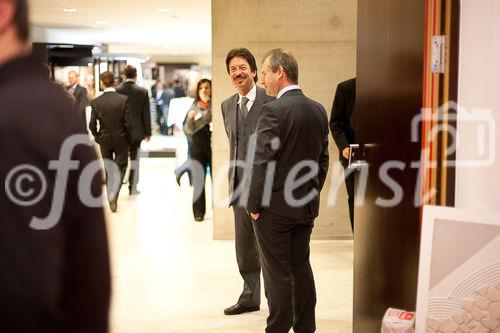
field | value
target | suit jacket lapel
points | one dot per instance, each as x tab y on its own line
233	112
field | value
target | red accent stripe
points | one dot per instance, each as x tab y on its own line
424	105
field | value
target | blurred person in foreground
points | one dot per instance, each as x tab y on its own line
197	128
54	278
140	121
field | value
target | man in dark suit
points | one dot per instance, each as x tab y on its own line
140	121
241	112
288	173
343	134
113	136
79	93
54	277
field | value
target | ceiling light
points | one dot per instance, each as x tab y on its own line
164	10
69	10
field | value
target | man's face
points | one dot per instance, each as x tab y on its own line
241	74
269	79
72	78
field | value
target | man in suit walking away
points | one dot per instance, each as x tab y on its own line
343	134
288	173
241	113
80	95
140	121
111	111
54	259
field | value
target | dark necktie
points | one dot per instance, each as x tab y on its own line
243	107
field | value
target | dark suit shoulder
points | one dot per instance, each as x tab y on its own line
347	85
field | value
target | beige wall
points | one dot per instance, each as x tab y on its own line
322	36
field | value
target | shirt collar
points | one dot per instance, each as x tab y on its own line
110	90
252	94
130	80
286	89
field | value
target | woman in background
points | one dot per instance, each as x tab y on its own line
197	128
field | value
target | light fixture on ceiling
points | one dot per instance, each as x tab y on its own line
69	10
164	10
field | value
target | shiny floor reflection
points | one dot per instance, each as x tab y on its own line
170	276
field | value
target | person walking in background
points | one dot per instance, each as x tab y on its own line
140	121
197	126
163	97
292	133
178	89
80	94
111	111
53	278
241	113
343	134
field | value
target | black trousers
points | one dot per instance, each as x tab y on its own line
118	155
135	146
247	257
204	158
349	184
288	278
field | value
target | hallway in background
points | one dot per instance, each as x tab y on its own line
170	276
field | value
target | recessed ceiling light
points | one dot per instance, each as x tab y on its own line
102	22
69	10
164	10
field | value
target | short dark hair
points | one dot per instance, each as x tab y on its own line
285	59
245	54
130	72
21	20
198	86
108	78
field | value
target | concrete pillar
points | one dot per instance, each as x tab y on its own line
322	36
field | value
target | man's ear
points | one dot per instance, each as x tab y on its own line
7	12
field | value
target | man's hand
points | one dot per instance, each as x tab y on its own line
255	216
147	138
191	114
345	153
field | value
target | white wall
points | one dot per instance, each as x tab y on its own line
478	187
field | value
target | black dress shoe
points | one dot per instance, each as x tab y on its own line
239	309
113	206
134	191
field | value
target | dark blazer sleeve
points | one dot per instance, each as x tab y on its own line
146	115
86	277
82	98
93	120
224	115
338	120
323	160
127	121
268	129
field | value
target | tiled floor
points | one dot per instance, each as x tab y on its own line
170	276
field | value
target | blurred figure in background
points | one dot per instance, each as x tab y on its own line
197	127
55	278
163	97
140	121
80	94
90	86
178	89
